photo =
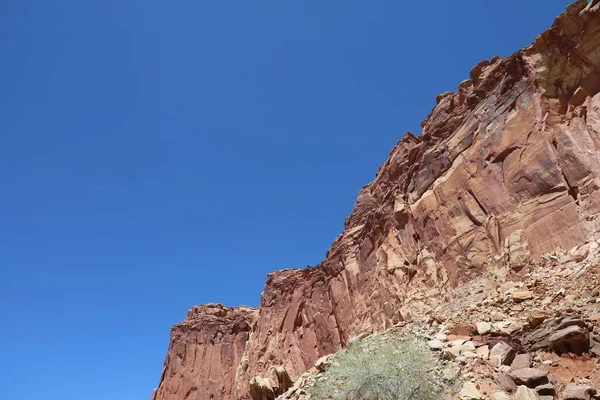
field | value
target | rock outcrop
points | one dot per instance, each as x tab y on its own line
205	352
505	170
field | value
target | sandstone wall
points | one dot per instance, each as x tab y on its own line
505	169
204	353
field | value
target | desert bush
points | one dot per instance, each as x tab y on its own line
396	369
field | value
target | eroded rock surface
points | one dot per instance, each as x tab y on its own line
506	169
205	352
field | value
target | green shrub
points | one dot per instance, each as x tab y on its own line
394	369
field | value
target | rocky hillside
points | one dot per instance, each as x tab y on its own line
518	338
506	169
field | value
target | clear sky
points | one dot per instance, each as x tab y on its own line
160	154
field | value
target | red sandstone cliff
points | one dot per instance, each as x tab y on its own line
505	169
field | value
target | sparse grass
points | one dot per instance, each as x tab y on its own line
395	369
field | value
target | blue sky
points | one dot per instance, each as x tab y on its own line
155	155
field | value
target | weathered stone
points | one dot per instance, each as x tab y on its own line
578	392
506	383
518	251
451	373
468	346
546	390
500	396
522	295
524	393
463	330
441	337
261	389
469	392
536	318
469	355
497	316
507	287
580	253
284	381
483	352
435	345
572	339
567	334
502	354
324	362
595	350
458	342
594	317
529	377
484	328
521	361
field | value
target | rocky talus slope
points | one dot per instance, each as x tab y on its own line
510	337
506	171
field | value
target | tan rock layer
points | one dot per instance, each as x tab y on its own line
506	169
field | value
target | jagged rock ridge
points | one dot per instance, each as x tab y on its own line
505	169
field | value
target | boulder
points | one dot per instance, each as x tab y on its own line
536	318
546	390
524	393
562	335
501	354
595	350
521	361
442	337
522	295
580	253
459	348
506	383
435	345
451	353
518	252
284	382
483	328
529	377
572	339
574	391
462	330
469	392
483	352
324	362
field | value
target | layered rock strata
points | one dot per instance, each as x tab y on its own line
205	352
505	169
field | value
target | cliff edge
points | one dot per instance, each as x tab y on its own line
506	168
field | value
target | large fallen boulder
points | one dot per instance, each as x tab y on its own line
561	335
530	377
572	339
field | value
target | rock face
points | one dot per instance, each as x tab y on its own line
205	352
506	169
